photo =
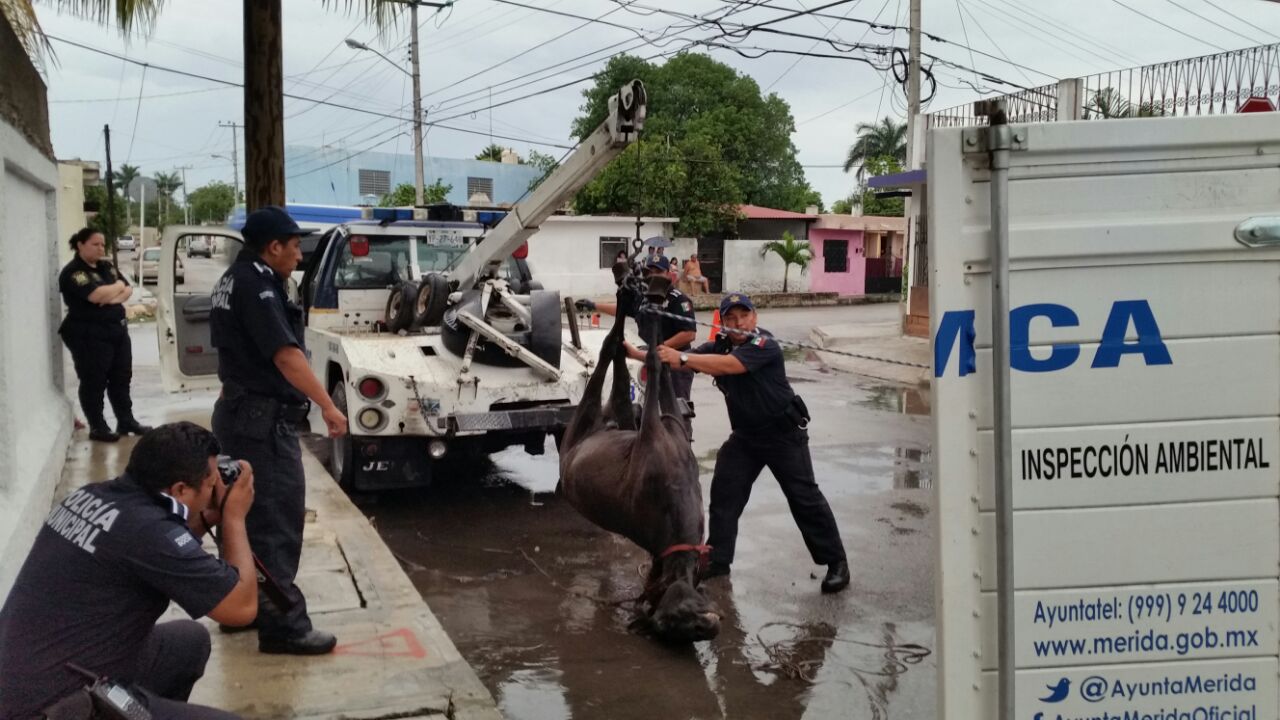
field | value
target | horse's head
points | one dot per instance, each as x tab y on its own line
681	611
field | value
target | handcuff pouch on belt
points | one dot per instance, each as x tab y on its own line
257	416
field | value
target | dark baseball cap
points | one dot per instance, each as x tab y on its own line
660	262
270	223
735	300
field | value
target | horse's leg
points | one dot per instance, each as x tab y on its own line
589	414
651	413
620	393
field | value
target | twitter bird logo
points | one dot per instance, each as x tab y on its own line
1059	692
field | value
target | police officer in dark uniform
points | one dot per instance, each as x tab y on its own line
673	333
769	424
266	382
97	334
105	566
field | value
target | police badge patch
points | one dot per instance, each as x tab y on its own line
81	278
688	306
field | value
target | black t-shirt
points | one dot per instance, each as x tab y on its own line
103	569
758	397
677	304
252	318
77	281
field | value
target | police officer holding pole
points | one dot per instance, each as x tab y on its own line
97	334
266	382
769	424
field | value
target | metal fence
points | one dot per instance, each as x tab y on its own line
1208	85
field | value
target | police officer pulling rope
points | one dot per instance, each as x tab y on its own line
97	334
105	566
769	424
266	382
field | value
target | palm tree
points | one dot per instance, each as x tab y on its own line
166	185
125	175
885	138
791	252
263	69
493	153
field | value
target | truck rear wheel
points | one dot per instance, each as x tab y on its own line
400	303
341	455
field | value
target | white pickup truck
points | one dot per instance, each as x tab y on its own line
431	335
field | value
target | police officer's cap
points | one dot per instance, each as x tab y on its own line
658	262
733	300
270	223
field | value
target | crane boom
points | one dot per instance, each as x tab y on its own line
621	128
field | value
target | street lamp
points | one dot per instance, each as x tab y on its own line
417	97
235	175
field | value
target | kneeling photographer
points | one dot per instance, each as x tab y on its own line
104	568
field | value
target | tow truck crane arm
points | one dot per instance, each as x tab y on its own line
621	128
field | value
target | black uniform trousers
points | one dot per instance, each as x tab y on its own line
276	519
168	668
103	358
786	454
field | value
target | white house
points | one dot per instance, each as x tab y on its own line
573	253
35	417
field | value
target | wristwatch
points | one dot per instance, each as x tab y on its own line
684	358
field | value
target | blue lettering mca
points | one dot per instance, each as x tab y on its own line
956	327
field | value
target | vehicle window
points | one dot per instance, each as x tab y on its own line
151	254
197	274
388	262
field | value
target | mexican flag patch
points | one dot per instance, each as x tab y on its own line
688	306
759	341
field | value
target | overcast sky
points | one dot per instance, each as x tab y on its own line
177	117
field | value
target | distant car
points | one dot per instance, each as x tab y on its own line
126	242
200	247
150	270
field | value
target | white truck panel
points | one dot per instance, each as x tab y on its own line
1135	212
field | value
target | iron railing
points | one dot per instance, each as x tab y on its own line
1207	85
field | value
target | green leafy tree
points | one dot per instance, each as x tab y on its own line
887	138
711	141
166	185
211	203
404	194
546	164
96	195
843	206
1108	103
493	153
872	205
792	252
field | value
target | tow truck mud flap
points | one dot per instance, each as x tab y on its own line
543	339
384	464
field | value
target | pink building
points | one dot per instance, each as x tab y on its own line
856	255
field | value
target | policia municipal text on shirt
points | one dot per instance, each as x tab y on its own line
105	566
266	382
97	334
769	424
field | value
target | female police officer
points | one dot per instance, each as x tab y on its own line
768	421
96	333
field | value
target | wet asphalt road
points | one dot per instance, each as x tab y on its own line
534	596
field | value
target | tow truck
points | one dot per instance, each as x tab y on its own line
430	332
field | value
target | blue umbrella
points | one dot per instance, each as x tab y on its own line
658	241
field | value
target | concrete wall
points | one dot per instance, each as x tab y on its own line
745	271
331	176
565	254
35	416
851	282
70	206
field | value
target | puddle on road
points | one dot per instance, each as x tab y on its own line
851	469
894	398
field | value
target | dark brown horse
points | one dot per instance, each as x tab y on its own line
642	482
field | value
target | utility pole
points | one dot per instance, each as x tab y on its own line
418	178
913	82
109	210
186	207
235	157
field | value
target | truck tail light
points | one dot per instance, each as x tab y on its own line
370	418
372	388
521	252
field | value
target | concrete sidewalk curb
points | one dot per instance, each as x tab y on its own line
883	344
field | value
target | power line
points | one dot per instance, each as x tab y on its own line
1106	48
830	29
841	106
994	44
137	113
1167	25
1215	23
1246	22
1091	57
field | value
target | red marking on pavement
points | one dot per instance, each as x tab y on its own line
401	643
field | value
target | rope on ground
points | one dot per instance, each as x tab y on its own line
571	591
783	653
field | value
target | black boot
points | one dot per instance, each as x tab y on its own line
312	642
837	577
132	427
101	432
